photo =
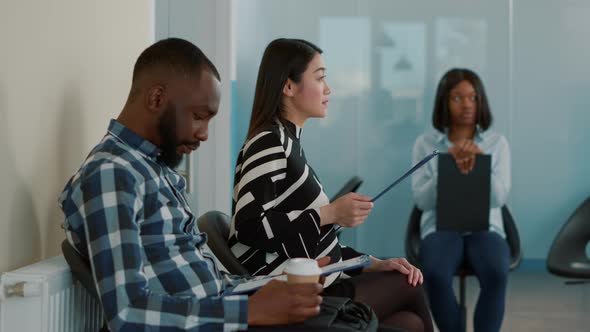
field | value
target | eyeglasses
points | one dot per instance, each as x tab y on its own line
459	99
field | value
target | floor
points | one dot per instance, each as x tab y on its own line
539	301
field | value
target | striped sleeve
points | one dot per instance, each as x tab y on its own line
264	217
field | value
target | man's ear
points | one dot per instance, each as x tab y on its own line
156	98
289	88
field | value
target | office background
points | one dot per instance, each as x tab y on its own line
65	70
384	59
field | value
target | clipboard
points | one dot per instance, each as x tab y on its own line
463	200
412	170
257	282
349	264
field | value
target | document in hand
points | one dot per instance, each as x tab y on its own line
349	264
257	282
412	170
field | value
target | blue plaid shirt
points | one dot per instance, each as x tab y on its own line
127	213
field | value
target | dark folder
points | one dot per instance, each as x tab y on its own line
463	200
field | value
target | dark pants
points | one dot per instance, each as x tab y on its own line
441	254
303	328
396	303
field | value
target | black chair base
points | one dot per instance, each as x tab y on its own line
567	256
577	282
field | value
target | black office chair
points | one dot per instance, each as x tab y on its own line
413	241
80	268
216	225
349	187
567	256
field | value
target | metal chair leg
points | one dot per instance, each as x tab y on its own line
105	326
577	282
462	302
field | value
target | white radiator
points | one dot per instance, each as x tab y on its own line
53	301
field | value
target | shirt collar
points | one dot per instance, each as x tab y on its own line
291	127
480	135
126	136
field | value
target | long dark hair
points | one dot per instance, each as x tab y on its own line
283	59
441	118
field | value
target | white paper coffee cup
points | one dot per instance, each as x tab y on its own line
302	270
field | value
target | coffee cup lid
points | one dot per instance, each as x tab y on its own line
302	267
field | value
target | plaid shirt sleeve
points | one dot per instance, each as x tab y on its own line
109	202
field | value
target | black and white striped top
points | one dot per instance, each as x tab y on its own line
276	205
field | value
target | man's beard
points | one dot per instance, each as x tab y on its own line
169	143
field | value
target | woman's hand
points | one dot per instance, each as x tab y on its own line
349	210
414	274
464	153
321	263
324	261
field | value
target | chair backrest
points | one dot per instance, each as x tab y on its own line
216	225
567	256
512	237
349	187
80	268
413	239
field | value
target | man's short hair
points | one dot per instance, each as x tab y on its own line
177	55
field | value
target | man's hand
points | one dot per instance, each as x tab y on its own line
414	274
464	153
280	303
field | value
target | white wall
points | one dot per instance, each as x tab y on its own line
65	70
209	24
